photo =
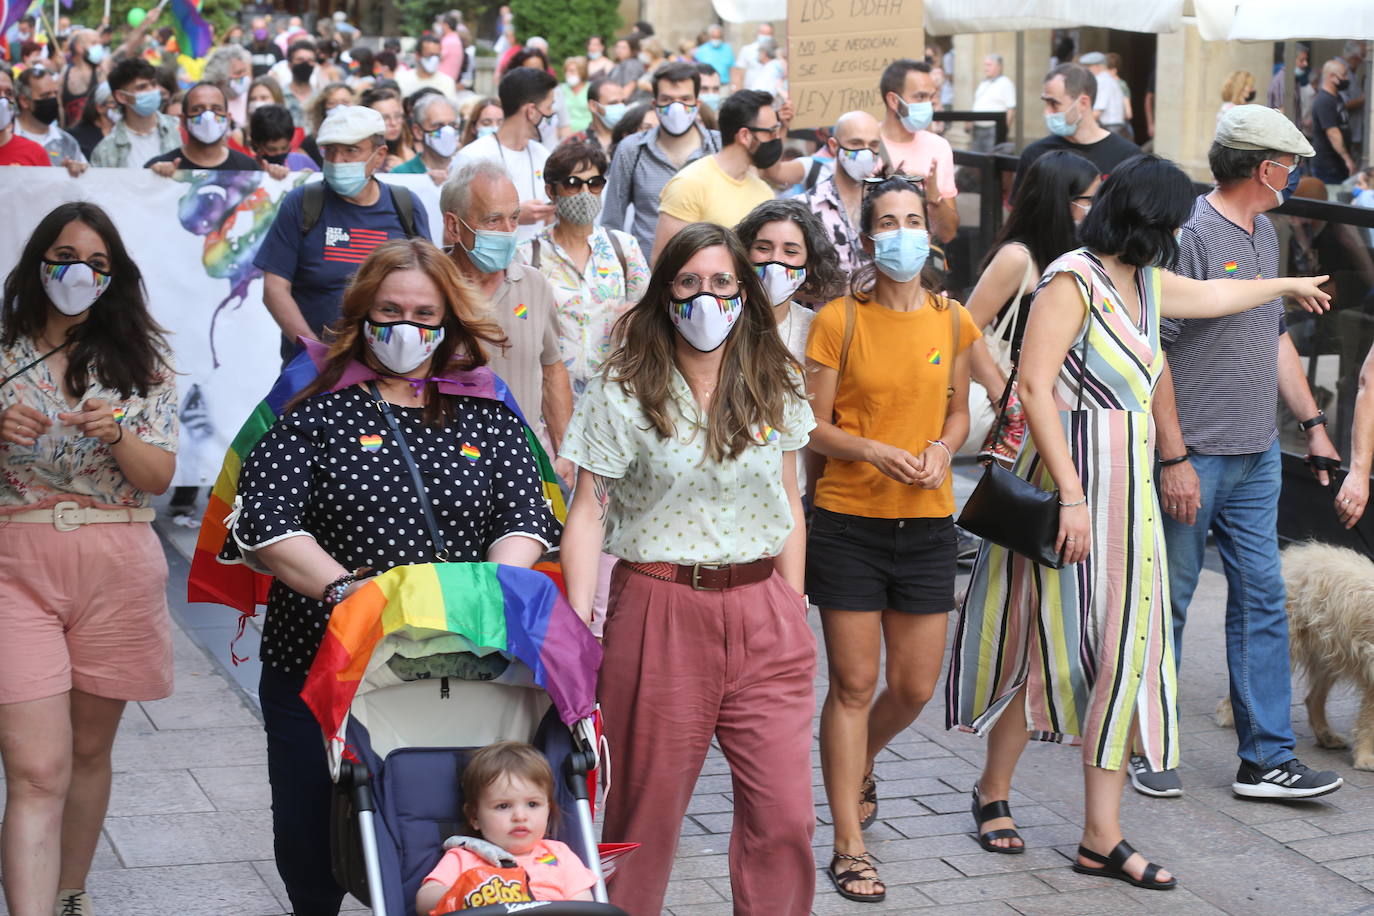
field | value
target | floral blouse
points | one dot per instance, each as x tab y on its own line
590	302
332	470
63	464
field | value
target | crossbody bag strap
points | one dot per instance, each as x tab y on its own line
953	310
440	547
1005	328
851	316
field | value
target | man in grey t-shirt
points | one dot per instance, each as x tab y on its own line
1218	446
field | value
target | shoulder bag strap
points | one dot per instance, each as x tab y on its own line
619	255
1005	327
953	310
440	547
851	317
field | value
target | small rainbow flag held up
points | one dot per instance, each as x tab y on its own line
234	584
519	612
193	34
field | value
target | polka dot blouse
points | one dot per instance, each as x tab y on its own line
332	469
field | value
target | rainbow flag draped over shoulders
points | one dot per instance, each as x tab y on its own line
193	34
231	583
519	612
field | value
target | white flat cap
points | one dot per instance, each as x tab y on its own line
350	124
1257	127
1092	58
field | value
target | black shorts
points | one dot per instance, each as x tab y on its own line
873	564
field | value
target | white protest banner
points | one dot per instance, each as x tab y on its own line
193	237
839	49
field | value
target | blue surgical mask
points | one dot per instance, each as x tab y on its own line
346	178
1057	122
491	251
613	113
918	115
147	102
710	99
486	130
901	253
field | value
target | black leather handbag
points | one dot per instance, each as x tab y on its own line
1012	512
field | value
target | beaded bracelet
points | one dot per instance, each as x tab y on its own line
335	591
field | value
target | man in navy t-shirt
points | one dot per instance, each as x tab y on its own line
306	269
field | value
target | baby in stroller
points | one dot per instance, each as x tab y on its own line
509	792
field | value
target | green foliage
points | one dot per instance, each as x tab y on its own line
415	17
221	14
566	24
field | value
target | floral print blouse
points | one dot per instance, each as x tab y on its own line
63	464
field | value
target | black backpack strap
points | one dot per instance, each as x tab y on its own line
312	205
813	175
404	203
619	255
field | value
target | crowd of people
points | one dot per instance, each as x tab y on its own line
752	377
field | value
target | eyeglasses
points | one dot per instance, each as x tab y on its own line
724	285
770	131
574	183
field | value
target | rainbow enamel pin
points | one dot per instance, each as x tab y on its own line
470	452
370	443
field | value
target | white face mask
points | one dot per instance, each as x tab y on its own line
238	87
207	127
704	321
443	141
574	80
676	118
6	113
430	63
72	286
780	280
401	346
857	164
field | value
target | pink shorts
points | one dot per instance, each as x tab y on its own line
83	609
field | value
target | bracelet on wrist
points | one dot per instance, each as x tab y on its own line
337	590
1078	502
941	443
1170	462
119	438
1309	424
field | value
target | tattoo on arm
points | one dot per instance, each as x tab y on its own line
601	491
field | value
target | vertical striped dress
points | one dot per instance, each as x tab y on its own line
1092	642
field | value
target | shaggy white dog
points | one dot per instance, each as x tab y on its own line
1331	630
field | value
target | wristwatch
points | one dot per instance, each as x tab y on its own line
1318	420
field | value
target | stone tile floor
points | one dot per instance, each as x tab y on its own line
188	831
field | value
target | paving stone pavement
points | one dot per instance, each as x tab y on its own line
188	831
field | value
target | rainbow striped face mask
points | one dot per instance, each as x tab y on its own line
401	346
72	286
781	281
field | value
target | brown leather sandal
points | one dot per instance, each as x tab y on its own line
865	871
868	795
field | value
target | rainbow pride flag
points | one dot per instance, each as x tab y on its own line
234	584
193	34
519	612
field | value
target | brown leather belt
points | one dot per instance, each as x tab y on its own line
705	577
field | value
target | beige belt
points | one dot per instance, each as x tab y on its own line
69	516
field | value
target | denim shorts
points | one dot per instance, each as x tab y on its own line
855	563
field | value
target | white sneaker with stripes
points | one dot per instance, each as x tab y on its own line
1291	779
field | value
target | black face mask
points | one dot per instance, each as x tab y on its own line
1342	85
768	154
278	159
302	71
1250	97
45	110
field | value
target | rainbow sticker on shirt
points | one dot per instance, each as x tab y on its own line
370	443
119	414
933	357
767	436
522	312
1107	307
1231	267
470	452
547	858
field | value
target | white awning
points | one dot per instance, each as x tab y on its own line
1280	20
954	17
751	10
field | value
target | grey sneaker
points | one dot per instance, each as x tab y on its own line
71	902
1156	783
1290	779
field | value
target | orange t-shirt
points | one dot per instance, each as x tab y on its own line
555	871
893	391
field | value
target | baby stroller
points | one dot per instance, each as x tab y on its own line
420	667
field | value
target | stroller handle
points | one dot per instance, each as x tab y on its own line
544	908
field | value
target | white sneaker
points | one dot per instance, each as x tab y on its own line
73	902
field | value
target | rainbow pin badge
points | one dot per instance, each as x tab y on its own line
1107	307
547	858
933	357
1231	267
522	312
370	443
119	414
768	435
470	452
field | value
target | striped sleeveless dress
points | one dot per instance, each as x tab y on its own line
1092	643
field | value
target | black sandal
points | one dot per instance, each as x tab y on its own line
865	872
991	811
868	795
1114	866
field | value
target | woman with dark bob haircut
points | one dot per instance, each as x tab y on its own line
686	447
88	432
1084	654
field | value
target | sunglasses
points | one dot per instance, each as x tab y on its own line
871	183
574	183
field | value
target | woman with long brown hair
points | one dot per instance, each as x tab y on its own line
686	447
88	432
382	461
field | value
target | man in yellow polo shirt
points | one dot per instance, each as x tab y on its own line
723	188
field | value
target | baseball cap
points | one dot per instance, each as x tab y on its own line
1092	58
350	124
1257	127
